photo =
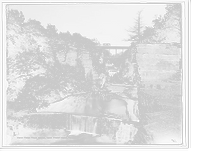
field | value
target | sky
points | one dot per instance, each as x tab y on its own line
108	23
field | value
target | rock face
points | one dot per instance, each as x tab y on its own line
75	54
86	61
161	96
157	63
69	57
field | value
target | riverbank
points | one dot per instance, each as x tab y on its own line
165	127
14	113
162	127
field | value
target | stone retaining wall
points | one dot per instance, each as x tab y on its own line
157	63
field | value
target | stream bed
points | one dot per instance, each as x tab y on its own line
82	126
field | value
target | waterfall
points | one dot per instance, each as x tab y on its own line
117	130
87	124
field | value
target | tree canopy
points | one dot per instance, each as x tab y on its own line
42	62
14	32
167	30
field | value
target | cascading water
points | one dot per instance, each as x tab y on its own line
87	114
87	124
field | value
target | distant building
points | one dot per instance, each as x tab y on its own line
111	69
109	64
112	72
106	44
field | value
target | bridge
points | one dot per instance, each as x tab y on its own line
107	46
114	47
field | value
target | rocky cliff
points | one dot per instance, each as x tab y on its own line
158	63
160	71
73	55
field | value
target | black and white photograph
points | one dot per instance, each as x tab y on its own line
95	74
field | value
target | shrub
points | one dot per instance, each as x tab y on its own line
100	68
23	101
44	91
24	66
148	103
69	78
115	79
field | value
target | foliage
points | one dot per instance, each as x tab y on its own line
136	30
66	40
52	34
14	32
69	78
155	34
27	43
37	39
38	62
100	67
83	42
24	66
116	59
165	30
115	79
76	40
148	35
172	24
123	63
24	101
27	37
43	90
129	72
148	103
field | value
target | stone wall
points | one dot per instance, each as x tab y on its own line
157	63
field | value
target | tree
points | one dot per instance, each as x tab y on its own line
43	91
157	30
148	35
136	30
165	28
14	32
64	40
52	34
81	42
151	34
24	66
69	78
172	24
76	40
37	60
25	60
37	40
